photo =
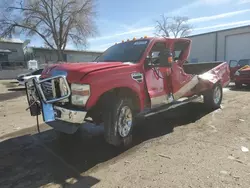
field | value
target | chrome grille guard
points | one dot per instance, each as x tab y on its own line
37	84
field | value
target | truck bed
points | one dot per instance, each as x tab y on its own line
209	72
200	68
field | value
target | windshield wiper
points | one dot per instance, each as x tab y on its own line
109	60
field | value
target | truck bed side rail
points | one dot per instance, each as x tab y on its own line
200	68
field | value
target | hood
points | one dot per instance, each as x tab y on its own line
22	75
76	71
245	68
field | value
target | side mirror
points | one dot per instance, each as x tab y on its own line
160	59
152	60
155	55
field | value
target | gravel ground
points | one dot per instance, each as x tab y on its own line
13	104
186	147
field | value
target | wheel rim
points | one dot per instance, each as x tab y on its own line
125	121
217	95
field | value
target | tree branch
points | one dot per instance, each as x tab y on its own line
178	26
56	21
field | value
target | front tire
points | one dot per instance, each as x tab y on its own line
213	97
119	121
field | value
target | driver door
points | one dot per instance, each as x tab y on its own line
233	66
155	78
181	81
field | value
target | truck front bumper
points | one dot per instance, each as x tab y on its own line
62	118
51	111
67	120
68	115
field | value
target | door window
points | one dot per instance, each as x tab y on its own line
233	63
244	62
157	48
155	52
176	55
179	49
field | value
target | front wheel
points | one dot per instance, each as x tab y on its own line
119	121
213	97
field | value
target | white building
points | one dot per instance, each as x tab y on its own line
43	55
11	50
223	45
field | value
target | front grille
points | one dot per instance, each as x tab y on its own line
47	89
51	90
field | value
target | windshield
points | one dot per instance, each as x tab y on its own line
124	52
244	62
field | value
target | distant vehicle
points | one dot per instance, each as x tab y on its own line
22	78
32	65
240	72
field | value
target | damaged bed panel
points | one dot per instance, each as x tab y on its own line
209	74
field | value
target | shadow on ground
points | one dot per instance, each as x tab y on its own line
10	84
17	89
242	88
11	95
37	160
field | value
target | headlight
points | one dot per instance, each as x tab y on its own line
80	94
237	73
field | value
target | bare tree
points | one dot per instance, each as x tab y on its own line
55	21
176	26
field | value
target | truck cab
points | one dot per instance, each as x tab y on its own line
129	79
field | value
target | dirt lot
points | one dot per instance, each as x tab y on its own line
13	103
187	147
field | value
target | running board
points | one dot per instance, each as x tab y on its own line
173	105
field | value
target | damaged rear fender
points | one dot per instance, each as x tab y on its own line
207	81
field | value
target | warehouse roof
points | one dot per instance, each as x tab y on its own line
16	41
246	26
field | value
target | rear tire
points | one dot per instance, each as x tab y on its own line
238	85
213	97
119	121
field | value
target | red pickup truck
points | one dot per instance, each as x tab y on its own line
240	72
130	79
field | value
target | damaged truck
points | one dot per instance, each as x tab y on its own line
130	79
